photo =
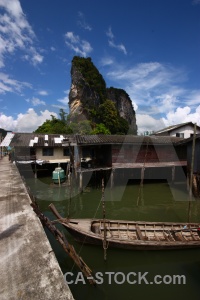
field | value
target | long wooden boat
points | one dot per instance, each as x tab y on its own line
133	235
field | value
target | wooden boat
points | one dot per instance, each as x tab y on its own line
133	235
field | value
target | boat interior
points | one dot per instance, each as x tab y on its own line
146	231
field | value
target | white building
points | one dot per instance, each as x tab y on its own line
184	130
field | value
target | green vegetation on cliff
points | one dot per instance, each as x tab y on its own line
91	75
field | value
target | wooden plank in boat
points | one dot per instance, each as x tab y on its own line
179	237
167	237
139	232
194	236
170	236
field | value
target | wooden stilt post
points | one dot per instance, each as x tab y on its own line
191	173
81	181
142	175
35	175
188	181
173	173
112	178
140	193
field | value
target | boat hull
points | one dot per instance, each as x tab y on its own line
82	232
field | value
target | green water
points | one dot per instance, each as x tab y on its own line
158	202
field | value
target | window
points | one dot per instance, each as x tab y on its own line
65	151
180	134
47	151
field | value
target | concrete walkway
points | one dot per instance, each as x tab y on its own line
28	267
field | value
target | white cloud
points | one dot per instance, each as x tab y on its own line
8	84
36	59
165	102
43	93
36	101
106	61
64	101
182	115
82	23
79	46
111	42
110	34
146	122
152	85
27	122
16	33
159	91
120	47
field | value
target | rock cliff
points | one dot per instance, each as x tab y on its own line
124	106
88	93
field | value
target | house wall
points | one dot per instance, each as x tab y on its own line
24	153
124	153
57	154
136	153
196	156
188	130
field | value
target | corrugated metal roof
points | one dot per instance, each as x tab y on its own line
126	139
29	139
38	140
7	140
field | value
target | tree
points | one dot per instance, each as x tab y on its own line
63	115
100	129
53	126
81	127
109	116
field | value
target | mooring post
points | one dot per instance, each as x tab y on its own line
81	182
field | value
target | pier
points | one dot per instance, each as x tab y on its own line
28	266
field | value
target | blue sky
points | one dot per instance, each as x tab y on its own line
149	48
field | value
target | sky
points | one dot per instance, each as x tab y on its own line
149	48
